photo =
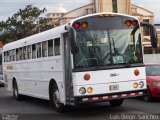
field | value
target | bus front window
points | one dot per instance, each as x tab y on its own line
109	47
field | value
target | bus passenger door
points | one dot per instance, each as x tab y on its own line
67	69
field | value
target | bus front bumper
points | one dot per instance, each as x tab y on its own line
108	97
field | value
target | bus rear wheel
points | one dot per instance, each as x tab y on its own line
16	94
115	103
55	99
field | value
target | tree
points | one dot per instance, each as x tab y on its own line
23	24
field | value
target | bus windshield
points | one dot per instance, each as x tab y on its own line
110	47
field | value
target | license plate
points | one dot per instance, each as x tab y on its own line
114	87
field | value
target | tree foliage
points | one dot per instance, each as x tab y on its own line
24	23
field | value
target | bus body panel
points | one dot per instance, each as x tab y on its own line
33	76
101	81
109	76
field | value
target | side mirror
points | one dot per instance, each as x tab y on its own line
72	37
153	33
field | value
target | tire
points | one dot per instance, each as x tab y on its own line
16	94
55	99
115	103
148	97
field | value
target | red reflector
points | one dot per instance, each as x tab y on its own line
100	98
128	94
119	95
137	93
136	72
90	99
109	97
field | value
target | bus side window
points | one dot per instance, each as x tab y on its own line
57	46
25	53
29	52
10	56
38	50
17	54
44	49
5	56
50	47
14	55
33	51
20	53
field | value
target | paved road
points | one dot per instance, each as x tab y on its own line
36	109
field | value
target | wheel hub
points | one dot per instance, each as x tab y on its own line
56	98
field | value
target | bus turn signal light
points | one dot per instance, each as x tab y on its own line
135	85
128	23
136	72
90	90
84	25
86	77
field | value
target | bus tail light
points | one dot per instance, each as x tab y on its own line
128	23
134	23
76	25
136	72
90	90
84	25
86	77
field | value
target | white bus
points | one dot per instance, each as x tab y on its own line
1	73
94	58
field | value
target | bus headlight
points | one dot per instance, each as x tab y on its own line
141	84
82	90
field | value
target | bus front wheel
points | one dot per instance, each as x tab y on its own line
55	99
148	97
115	103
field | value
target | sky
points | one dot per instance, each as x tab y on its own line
152	5
9	7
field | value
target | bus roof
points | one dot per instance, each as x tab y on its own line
78	18
40	37
49	34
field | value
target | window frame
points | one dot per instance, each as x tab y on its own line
52	54
44	49
35	50
55	50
